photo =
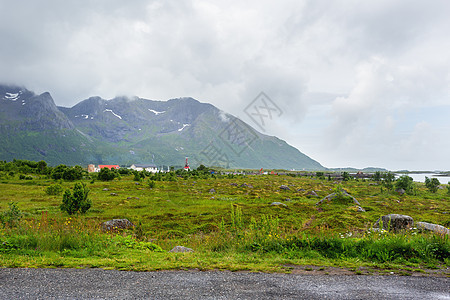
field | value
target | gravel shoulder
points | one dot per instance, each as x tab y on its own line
193	284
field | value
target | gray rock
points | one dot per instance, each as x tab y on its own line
400	191
113	194
278	204
285	187
301	190
360	209
432	227
105	189
116	224
246	185
212	191
178	249
312	193
333	195
287	199
394	222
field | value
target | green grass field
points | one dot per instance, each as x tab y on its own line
228	222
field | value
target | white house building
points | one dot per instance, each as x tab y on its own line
149	168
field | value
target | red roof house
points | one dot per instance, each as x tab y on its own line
109	166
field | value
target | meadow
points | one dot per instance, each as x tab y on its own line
267	223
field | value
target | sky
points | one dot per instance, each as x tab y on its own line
356	83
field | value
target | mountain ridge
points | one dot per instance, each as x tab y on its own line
126	130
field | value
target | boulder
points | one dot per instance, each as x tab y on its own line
400	191
116	224
432	227
285	187
333	195
178	249
394	222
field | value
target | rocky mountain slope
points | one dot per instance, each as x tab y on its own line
134	130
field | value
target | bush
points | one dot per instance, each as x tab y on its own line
405	182
54	189
11	217
388	179
77	201
106	174
432	184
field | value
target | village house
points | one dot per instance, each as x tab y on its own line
92	168
147	167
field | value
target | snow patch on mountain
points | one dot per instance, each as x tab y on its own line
184	125
110	110
156	112
12	96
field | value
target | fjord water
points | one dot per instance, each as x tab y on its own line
420	177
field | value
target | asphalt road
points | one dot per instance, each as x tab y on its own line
110	284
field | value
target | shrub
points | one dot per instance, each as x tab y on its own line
12	216
388	179
77	201
54	189
106	174
432	184
405	182
151	184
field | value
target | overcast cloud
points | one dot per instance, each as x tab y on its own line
360	83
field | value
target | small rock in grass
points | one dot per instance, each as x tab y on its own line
113	194
212	191
105	189
116	224
278	204
400	191
285	187
177	249
312	194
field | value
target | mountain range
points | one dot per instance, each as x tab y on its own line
130	130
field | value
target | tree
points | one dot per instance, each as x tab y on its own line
77	201
377	176
405	182
388	179
57	172
432	184
106	174
345	176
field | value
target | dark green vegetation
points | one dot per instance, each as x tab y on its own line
129	131
228	220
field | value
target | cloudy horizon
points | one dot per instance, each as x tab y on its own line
359	83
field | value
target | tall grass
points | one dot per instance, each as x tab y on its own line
265	235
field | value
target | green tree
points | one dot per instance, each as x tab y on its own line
345	176
12	216
405	182
106	174
77	201
57	172
388	179
432	184
377	176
